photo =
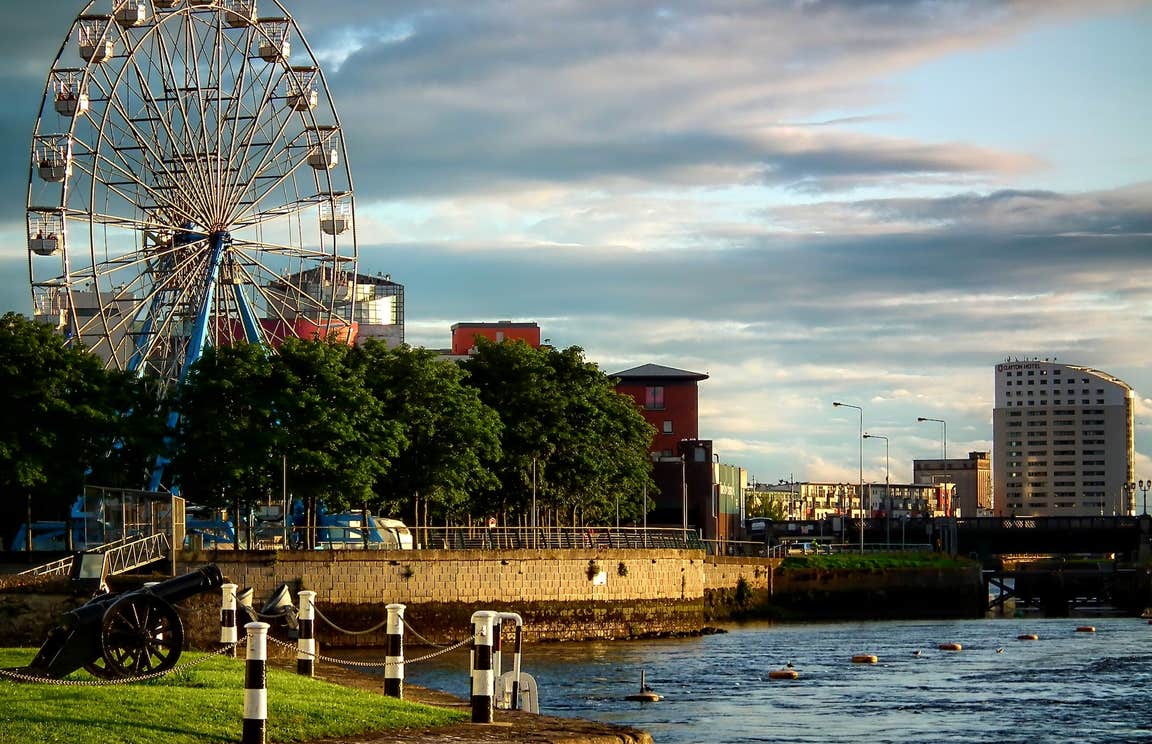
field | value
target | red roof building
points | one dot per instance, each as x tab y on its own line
669	400
464	335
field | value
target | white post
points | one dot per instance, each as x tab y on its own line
483	680
306	638
394	656
255	685
228	632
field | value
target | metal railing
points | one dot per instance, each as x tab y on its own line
557	538
122	556
486	538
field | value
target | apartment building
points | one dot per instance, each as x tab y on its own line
1062	440
971	478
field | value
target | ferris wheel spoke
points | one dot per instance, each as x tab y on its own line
129	298
180	169
257	88
275	167
124	123
282	249
292	294
161	129
143	141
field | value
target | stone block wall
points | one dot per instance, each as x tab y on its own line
722	572
431	576
561	594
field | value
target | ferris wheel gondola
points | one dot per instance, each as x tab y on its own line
188	185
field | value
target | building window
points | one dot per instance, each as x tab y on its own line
667	427
654	398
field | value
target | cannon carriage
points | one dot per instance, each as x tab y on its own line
123	635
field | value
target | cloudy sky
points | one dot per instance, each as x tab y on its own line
808	200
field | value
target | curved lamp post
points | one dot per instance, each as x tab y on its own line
887	486
943	435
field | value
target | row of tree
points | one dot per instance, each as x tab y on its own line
399	431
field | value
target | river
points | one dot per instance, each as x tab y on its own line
1068	686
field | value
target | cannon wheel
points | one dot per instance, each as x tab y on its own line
141	634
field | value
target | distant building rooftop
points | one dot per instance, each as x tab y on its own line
658	372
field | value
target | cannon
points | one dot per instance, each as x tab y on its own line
123	635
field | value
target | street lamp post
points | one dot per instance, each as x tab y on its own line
860	442
1144	486
943	434
887	487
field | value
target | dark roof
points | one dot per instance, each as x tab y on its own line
497	324
659	372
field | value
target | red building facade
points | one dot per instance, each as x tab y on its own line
464	335
669	399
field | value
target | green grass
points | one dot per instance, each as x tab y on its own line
875	561
201	705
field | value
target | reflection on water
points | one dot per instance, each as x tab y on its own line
1066	686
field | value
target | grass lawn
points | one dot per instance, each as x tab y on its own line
848	560
201	705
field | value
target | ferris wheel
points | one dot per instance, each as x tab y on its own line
188	186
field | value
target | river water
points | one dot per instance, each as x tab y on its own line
1068	686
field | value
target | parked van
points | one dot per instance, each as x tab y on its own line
345	531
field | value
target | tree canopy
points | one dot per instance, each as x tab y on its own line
446	435
563	417
63	418
398	430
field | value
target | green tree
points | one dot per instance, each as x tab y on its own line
330	425
137	431
588	443
226	444
446	435
57	422
245	411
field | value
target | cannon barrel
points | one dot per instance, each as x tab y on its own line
173	590
78	640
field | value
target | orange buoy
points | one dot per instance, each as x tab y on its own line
950	647
1086	629
1027	637
783	674
865	659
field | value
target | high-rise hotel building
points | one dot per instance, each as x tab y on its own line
1062	441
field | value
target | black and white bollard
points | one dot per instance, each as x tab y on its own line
306	640
483	678
394	656
228	632
255	685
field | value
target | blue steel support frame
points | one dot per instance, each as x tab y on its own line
247	317
199	338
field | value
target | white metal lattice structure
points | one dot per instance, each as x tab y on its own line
188	185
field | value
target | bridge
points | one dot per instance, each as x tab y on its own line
983	537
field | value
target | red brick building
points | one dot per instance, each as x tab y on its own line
695	491
670	401
464	335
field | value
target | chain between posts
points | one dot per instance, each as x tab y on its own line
374	628
348	662
17	676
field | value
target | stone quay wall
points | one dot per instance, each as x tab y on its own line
560	594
